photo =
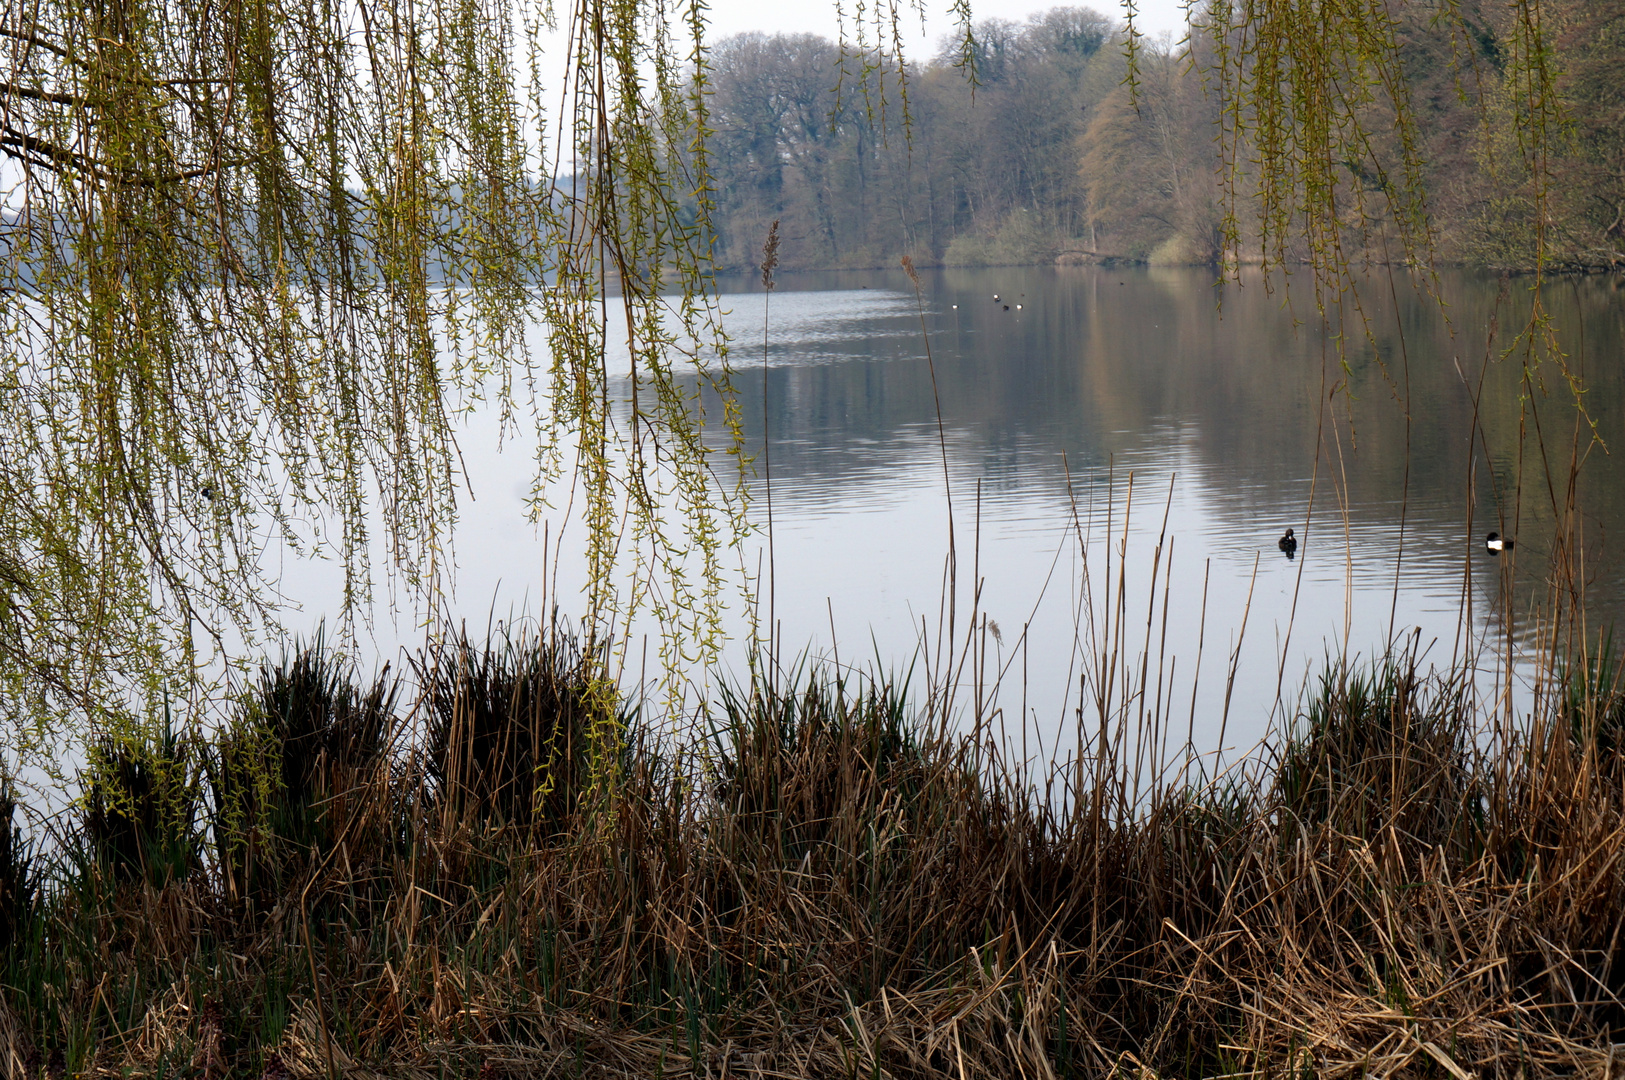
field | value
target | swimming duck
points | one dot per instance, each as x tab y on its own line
1288	544
1494	544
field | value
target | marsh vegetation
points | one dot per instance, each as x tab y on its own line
493	867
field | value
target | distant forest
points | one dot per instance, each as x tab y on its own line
1051	157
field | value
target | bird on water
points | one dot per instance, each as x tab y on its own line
1494	544
1288	544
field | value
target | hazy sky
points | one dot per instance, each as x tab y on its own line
818	17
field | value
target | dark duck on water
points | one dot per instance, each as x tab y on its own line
1494	544
1288	544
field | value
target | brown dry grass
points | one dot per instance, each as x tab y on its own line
834	886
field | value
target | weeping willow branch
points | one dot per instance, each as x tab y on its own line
1320	134
257	260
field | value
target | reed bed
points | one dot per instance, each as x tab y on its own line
499	869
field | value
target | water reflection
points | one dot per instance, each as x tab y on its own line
1236	415
1207	418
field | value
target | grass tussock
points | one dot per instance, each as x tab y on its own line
512	876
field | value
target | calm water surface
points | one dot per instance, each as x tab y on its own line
1230	414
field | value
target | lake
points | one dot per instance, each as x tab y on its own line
1091	412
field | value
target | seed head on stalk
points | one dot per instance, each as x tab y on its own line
770	260
770	255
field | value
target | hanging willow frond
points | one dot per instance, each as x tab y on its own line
255	261
1324	155
1319	131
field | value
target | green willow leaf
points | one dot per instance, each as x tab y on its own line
260	257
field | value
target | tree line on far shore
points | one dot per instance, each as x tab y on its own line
1053	154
